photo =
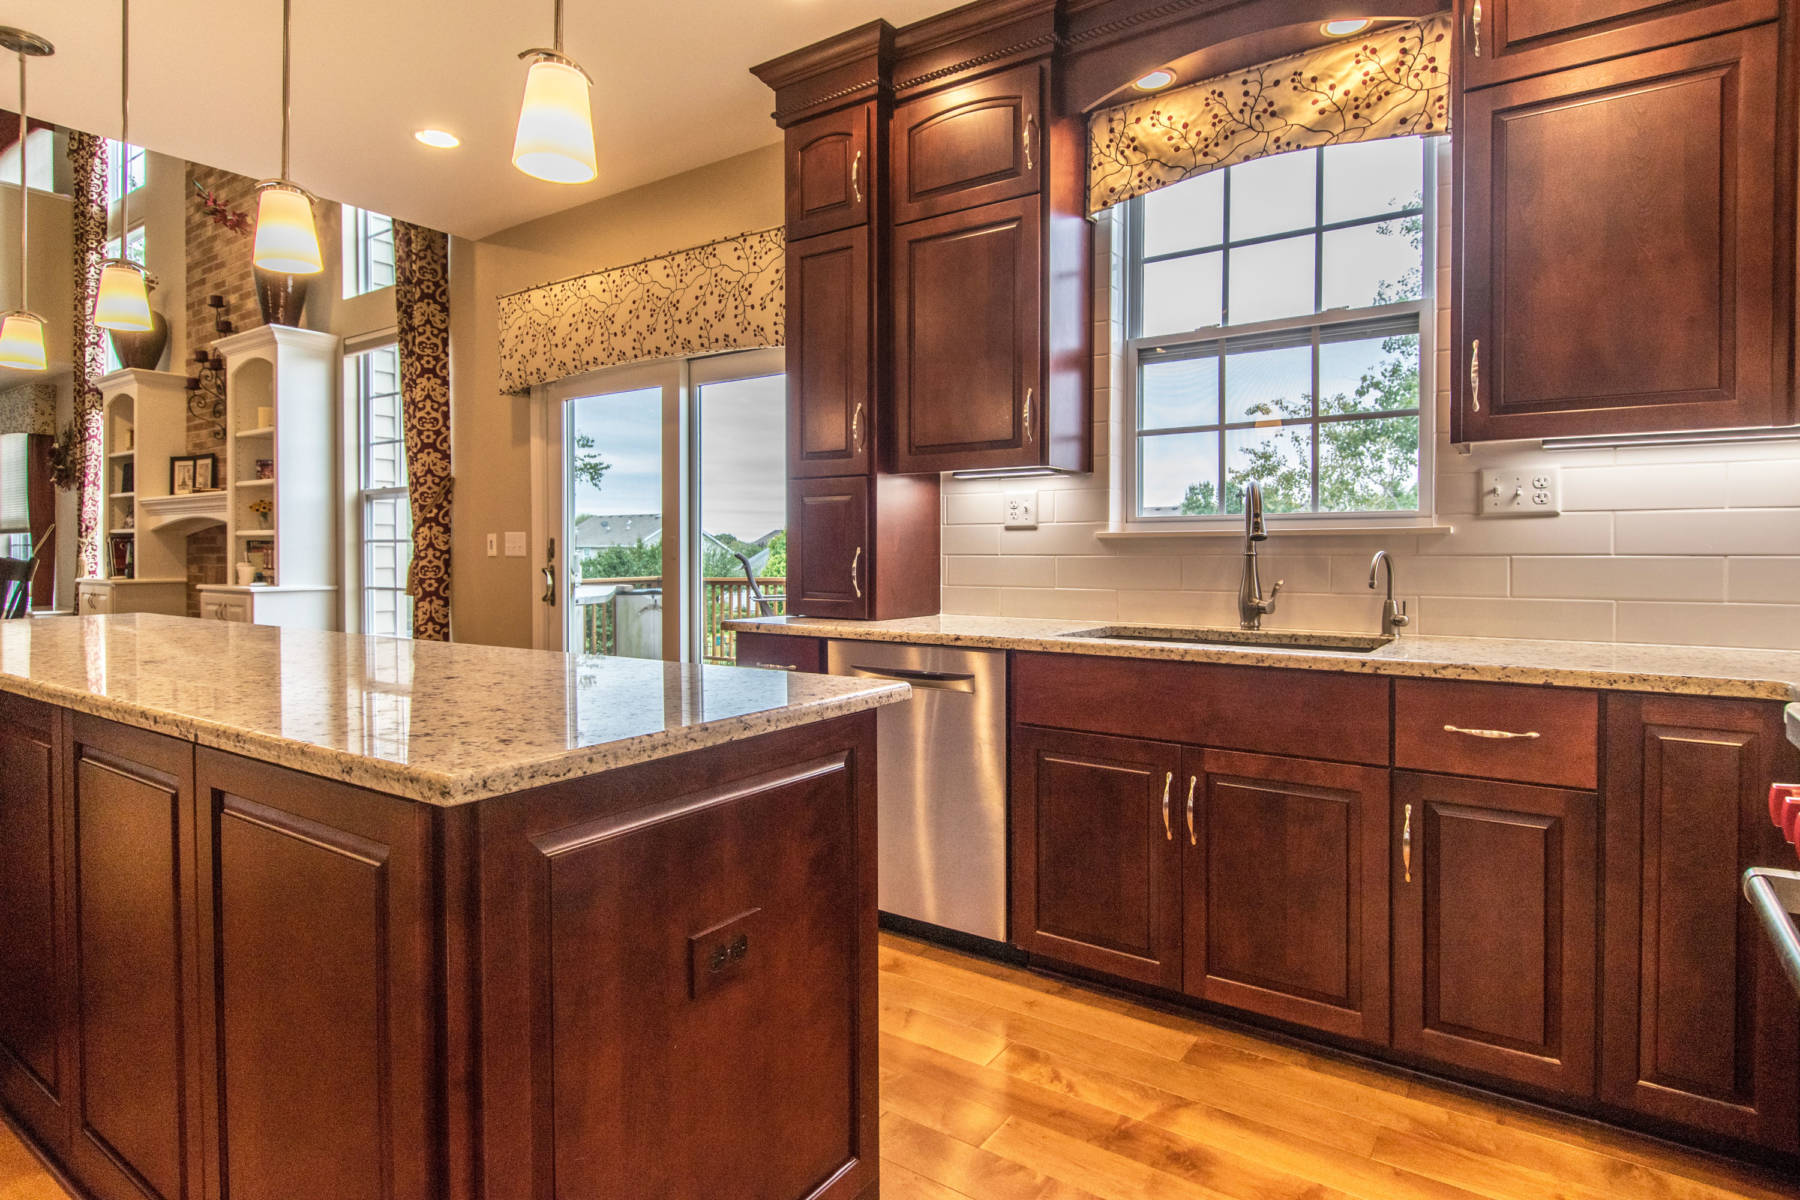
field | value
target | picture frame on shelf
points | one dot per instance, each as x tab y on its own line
181	475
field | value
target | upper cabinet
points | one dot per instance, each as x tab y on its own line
830	354
830	172
1621	256
968	145
1509	39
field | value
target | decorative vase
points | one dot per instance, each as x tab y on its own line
282	298
142	350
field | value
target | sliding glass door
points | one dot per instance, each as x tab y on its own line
740	502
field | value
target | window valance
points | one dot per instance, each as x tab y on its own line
726	295
1389	82
28	408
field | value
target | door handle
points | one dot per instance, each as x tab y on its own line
1168	829
1406	845
855	573
549	596
1475	376
947	681
1193	839
855	170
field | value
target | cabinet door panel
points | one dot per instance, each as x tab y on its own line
968	145
829	370
828	547
1510	39
1495	928
1285	889
136	1130
829	168
1095	857
968	386
32	948
1700	1024
1598	299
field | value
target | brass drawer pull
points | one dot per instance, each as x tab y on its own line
1498	735
1475	375
1028	432
1029	121
855	573
1476	20
1193	839
1406	845
856	428
1168	829
856	169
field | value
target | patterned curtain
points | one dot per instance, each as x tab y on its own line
1392	82
87	162
422	310
725	295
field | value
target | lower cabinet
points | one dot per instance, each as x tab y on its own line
1096	861
1495	910
1700	1023
1284	876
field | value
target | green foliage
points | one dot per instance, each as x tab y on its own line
590	468
622	562
644	559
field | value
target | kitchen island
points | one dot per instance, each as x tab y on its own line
306	914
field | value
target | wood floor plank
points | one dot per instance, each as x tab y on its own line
967	1169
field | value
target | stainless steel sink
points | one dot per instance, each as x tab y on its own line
1283	639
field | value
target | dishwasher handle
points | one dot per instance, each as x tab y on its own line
946	681
1774	895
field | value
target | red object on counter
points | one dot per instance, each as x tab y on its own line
1784	810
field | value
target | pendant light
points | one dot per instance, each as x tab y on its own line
21	330
122	300
287	242
555	140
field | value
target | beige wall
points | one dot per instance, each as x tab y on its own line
494	597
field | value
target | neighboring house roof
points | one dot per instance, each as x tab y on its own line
593	531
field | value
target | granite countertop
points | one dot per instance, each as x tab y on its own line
1793	723
1622	666
442	723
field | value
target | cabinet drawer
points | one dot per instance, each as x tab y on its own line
1306	714
781	652
1532	735
968	145
92	603
225	608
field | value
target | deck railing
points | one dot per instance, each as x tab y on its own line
725	598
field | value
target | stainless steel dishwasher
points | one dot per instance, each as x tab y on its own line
942	777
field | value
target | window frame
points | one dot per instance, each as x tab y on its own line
118	171
357	446
356	241
1132	350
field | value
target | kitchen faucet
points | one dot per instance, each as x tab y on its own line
1393	615
1253	606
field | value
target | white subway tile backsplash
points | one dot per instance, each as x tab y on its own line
1033	572
1210	609
1775	626
1059	603
1764	484
1571	533
1221	572
1610	578
1054	539
1718	531
1469	616
972	601
1670	485
1137	573
971	539
1460	576
963	506
1763	580
1087	506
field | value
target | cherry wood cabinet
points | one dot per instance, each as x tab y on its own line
831	355
136	1120
831	171
1700	1025
34	948
1096	860
969	145
1284	885
1509	39
851	549
1595	297
781	652
1496	919
1498	731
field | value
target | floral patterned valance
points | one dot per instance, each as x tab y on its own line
28	408
1390	82
727	295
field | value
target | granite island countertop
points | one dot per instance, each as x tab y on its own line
442	723
1620	666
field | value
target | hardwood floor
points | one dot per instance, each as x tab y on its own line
1000	1085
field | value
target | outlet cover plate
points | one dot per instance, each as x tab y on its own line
1521	492
1021	510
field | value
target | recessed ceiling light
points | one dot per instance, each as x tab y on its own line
1155	81
439	138
1346	28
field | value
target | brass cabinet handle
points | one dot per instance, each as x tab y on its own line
856	427
1028	434
549	596
1475	376
771	666
855	575
1029	120
1193	839
1168	829
855	170
1476	17
1406	844
1498	735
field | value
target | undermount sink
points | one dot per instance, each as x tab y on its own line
1285	639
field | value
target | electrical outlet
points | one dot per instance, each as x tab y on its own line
493	544
1021	510
1526	492
515	545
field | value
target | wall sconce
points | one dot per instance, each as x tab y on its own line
206	386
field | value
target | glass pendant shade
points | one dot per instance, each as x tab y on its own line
122	301
556	124
286	239
22	342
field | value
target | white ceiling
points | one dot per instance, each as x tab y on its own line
672	88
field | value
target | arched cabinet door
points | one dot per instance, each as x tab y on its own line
830	172
973	144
